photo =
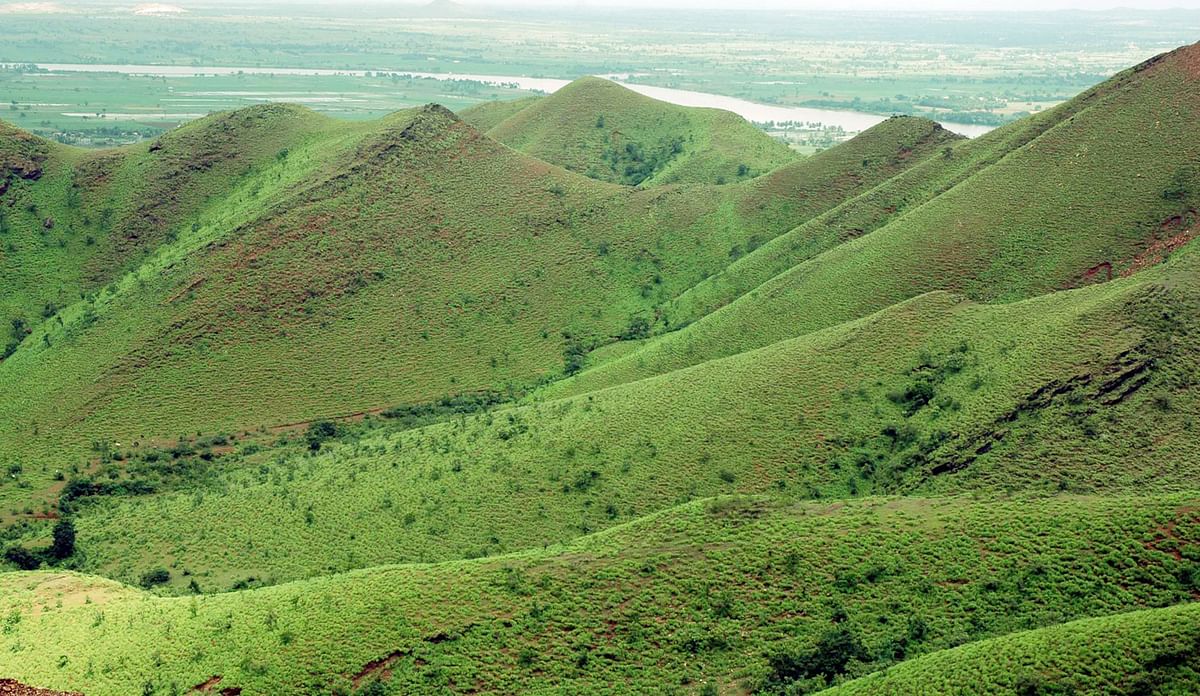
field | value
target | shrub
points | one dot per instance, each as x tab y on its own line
22	558
156	576
574	356
828	658
639	327
319	432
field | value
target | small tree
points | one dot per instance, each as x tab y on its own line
64	539
319	432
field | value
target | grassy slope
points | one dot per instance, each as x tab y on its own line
608	132
487	115
399	216
700	594
1089	391
1152	651
91	216
863	214
1099	187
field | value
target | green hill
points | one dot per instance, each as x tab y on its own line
608	132
487	115
1089	192
75	220
477	266
296	405
730	592
936	395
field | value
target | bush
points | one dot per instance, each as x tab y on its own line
574	356
639	327
828	658
22	558
319	432
156	576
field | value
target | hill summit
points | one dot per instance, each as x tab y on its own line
609	132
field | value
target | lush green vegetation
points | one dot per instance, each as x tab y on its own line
299	405
494	244
725	593
1153	651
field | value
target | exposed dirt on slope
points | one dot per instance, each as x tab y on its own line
209	686
1174	232
1128	372
1188	58
1167	538
380	669
11	687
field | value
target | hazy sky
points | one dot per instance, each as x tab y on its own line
970	5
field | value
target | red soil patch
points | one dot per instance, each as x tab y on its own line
1172	233
1188	58
1090	274
208	685
1179	230
11	687
1168	534
380	669
185	290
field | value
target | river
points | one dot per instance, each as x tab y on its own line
850	121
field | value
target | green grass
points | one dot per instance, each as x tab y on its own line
703	594
1151	651
1013	393
611	133
488	115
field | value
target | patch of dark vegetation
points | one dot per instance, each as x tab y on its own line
18	329
319	432
79	490
575	352
155	577
416	415
828	658
927	376
881	460
59	553
633	163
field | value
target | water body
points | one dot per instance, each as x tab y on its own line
851	121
